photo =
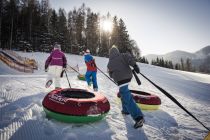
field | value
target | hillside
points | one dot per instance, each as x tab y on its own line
22	116
199	59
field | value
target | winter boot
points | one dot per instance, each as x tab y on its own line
139	122
49	83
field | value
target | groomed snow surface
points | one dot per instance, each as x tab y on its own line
22	116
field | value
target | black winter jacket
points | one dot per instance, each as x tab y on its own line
119	66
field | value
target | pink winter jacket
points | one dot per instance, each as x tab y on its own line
57	58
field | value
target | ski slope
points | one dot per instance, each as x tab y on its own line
22	116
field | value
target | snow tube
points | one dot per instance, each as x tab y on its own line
81	77
207	137
75	105
144	100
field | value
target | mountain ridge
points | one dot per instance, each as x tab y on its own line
199	59
175	56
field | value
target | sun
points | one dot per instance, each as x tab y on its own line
107	26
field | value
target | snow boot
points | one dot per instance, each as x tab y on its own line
49	83
139	122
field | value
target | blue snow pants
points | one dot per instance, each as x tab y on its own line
91	75
128	103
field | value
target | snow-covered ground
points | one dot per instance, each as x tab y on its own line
22	116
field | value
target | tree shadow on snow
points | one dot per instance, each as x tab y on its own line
132	133
50	129
157	121
29	123
19	110
161	123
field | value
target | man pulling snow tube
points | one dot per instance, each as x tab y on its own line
75	105
144	100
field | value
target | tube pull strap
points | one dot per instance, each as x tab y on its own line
175	101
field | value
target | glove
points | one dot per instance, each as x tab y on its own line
109	72
136	68
46	68
62	72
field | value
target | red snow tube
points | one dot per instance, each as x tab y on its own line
144	100
75	105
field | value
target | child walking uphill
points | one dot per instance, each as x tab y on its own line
55	64
119	69
91	70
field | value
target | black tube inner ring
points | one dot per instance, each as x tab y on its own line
80	94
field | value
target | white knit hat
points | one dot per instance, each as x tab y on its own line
87	51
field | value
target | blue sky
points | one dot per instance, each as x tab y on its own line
158	26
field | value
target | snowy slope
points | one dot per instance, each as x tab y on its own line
22	116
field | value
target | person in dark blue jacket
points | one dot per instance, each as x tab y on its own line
91	70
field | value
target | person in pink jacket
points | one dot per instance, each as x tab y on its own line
54	65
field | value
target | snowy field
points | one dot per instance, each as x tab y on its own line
22	116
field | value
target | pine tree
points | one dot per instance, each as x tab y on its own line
188	65
32	25
53	26
45	37
72	20
70	26
8	22
146	61
171	65
115	32
182	64
177	66
135	49
124	44
80	20
104	37
92	34
62	29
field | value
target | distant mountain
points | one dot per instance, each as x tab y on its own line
175	56
203	53
199	58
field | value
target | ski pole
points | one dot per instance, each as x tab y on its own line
136	77
67	78
74	70
107	76
175	101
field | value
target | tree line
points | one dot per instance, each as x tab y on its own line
32	25
183	65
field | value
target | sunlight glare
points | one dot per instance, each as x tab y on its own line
107	26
